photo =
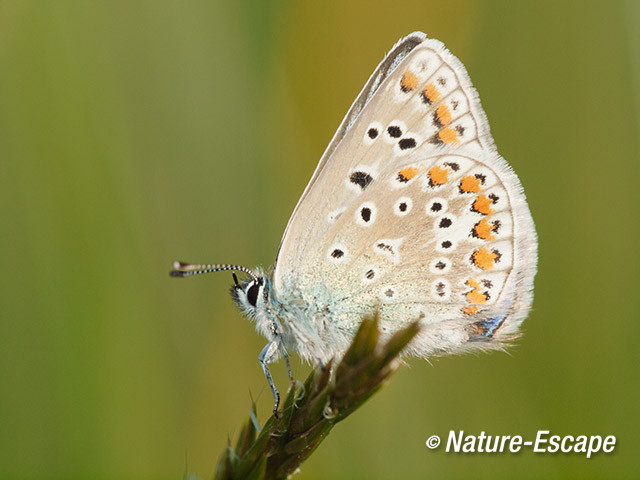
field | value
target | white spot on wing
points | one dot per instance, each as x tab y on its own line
410	140
403	206
440	265
446	244
354	187
440	289
432	206
445	223
391	126
367	140
388	248
445	80
370	274
388	293
424	64
337	253
335	214
366	214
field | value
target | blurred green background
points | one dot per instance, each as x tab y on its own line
135	133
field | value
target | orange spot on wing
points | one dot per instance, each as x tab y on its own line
473	283
475	295
409	81
408	173
484	258
479	330
443	114
448	135
431	93
470	310
482	204
484	229
438	175
470	184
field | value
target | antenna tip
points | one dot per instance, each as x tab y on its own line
178	265
179	269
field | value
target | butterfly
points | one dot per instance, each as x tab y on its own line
411	214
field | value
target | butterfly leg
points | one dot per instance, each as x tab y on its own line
268	354
286	361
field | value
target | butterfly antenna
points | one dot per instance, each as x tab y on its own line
181	269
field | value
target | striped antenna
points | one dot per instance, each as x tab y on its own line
181	269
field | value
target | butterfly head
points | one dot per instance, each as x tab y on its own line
251	295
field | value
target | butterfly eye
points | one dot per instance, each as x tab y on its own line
252	293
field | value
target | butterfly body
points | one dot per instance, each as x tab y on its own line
411	214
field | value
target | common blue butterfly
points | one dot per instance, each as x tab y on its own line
410	214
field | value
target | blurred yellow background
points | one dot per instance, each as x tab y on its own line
136	133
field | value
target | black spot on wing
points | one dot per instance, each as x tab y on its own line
362	179
385	247
394	131
445	223
406	143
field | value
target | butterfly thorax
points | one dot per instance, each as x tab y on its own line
300	320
